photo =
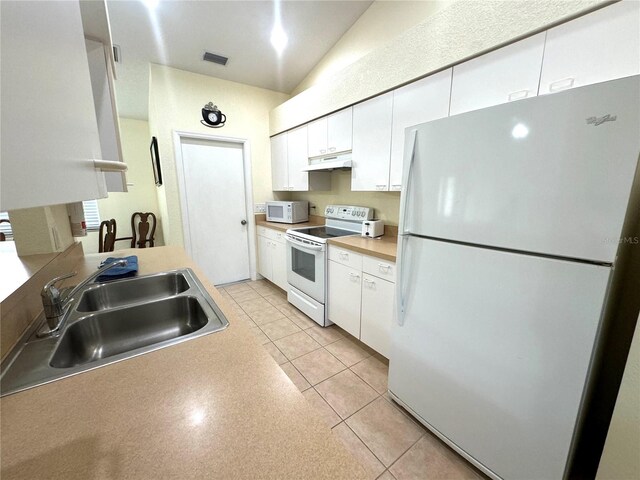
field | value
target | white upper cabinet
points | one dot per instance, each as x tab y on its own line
340	131
504	75
413	104
330	134
279	163
107	116
49	133
372	144
297	159
317	136
603	45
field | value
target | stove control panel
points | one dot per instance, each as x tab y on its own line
348	212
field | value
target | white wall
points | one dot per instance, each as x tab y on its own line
462	30
141	196
379	24
176	98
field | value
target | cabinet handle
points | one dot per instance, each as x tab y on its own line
381	187
343	255
366	280
561	84
396	186
518	95
322	150
354	275
332	149
110	166
387	268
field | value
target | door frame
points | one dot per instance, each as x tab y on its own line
178	136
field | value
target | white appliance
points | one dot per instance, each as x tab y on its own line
510	226
372	228
287	212
307	258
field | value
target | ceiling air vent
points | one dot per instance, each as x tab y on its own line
212	57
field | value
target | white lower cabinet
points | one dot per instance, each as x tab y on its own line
272	256
377	313
361	298
345	285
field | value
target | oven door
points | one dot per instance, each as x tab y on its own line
306	267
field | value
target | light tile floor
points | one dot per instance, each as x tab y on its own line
346	383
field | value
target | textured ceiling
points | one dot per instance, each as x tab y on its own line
177	33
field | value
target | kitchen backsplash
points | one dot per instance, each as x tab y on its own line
386	204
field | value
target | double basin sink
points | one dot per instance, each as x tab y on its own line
113	321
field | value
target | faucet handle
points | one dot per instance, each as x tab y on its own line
50	291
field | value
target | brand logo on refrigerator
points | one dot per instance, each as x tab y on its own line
595	121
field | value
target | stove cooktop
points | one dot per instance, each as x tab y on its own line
324	232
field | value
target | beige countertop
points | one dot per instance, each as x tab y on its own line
214	407
382	247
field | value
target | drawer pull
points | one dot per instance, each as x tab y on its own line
518	95
561	84
371	282
384	268
354	275
343	255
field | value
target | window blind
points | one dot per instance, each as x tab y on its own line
6	227
91	214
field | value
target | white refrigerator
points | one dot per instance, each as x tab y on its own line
509	231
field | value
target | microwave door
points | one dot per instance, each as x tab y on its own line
275	212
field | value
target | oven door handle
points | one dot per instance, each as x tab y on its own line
297	243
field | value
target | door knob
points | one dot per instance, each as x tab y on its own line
243	222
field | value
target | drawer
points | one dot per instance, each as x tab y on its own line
345	257
271	234
379	268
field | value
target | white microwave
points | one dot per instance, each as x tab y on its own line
287	212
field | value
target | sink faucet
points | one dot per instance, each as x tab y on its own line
55	302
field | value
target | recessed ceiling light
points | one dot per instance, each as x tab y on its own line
520	131
279	38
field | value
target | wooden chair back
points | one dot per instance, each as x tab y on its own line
143	226
107	236
3	237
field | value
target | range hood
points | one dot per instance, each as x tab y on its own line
329	163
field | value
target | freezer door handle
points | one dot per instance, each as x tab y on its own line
400	290
410	154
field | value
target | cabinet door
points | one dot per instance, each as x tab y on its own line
265	267
603	45
297	159
372	144
317	135
377	313
279	163
413	104
49	128
507	74
106	112
340	131
279	264
343	301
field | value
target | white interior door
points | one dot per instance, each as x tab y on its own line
215	201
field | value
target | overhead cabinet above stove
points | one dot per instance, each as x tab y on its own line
330	135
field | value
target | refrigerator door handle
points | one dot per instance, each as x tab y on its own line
400	299
410	154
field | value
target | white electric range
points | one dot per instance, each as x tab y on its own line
307	257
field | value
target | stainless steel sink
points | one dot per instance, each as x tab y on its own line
115	321
126	292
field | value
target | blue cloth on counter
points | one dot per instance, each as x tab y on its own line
115	273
